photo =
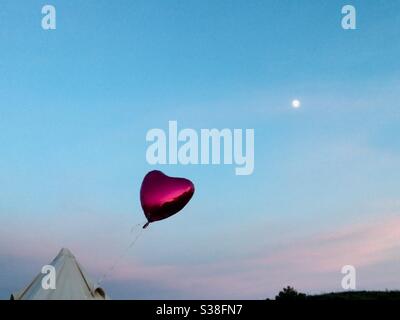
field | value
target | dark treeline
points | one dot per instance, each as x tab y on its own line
290	294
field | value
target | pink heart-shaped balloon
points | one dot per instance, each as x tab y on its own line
162	196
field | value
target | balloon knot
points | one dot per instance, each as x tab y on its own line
146	225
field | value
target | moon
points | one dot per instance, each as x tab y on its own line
296	104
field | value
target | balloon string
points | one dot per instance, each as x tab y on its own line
135	227
120	258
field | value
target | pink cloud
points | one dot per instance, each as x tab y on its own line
310	263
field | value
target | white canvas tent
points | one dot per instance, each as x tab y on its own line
71	283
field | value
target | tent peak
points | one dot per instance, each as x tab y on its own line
72	282
65	252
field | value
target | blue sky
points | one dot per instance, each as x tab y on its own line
76	103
